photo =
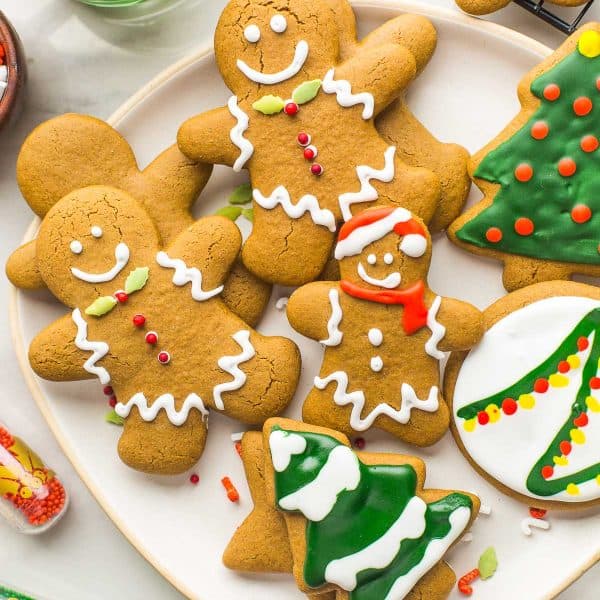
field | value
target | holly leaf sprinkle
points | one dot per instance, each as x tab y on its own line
248	213
113	418
136	280
101	306
229	212
241	195
488	563
306	91
269	105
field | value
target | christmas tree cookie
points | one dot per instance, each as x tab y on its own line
526	400
353	525
147	319
74	151
540	177
301	122
384	331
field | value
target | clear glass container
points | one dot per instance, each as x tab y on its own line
32	498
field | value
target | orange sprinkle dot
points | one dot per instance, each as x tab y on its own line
566	167
524	226
581	213
493	235
551	92
589	143
524	172
539	130
598	83
582	106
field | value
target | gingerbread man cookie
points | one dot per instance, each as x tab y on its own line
485	7
348	517
301	122
384	331
148	319
540	214
74	151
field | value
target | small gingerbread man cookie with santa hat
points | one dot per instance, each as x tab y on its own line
384	331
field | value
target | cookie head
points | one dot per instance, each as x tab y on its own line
383	248
262	43
90	241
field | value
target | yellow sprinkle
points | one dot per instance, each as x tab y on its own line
598	479
589	44
592	404
469	424
563	461
577	436
573	361
493	411
558	380
526	401
572	489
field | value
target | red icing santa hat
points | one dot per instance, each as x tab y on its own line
372	224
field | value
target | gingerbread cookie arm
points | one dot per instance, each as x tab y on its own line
21	268
314	311
381	71
54	353
463	325
210	137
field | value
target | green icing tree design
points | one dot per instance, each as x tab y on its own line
552	373
363	515
548	203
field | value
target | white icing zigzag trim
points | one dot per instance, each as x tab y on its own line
409	401
438	331
308	203
236	135
335	335
231	365
344	96
166	402
184	275
99	349
367	192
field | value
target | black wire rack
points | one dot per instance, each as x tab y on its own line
536	7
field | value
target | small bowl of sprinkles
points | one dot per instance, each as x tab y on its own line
12	72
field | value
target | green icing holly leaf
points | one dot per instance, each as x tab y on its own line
229	212
488	563
101	306
306	91
248	213
241	195
113	418
136	280
269	105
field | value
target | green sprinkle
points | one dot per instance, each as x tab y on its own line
241	195
101	306
136	280
113	418
229	212
306	91
488	563
269	105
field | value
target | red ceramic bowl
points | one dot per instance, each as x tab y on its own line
16	72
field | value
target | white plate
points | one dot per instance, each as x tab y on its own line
466	94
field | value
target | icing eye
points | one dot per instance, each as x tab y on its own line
371	259
76	247
388	258
96	231
413	245
252	33
278	23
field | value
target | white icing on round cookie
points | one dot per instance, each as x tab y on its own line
121	259
388	258
389	281
278	23
413	245
371	259
375	336
96	231
252	33
376	364
76	247
300	56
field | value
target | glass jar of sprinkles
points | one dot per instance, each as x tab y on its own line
32	498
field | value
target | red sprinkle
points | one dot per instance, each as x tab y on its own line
565	447
551	92
493	235
541	386
582	106
595	383
238	448
523	172
464	582
232	492
164	358
316	169
524	226
589	143
194	478
509	406
291	108
359	443
483	417
108	391
581	213
112	401
564	366
539	130
582	343
547	472
567	167
537	513
139	320
310	152
121	297
151	338
303	138
581	421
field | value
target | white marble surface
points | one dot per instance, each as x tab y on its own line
78	62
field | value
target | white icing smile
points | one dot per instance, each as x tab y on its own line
121	258
390	281
300	56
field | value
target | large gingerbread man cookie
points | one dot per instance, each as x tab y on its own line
148	319
384	331
73	151
301	120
